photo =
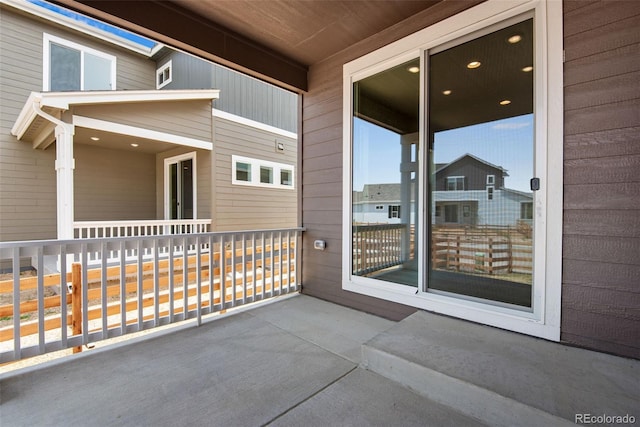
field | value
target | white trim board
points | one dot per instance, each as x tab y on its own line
254	124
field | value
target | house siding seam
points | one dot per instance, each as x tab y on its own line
601	234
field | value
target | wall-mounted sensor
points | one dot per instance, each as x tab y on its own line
279	147
320	245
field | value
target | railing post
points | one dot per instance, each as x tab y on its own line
76	301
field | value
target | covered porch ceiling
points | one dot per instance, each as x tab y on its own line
276	40
279	40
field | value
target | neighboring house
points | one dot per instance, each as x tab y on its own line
469	191
100	131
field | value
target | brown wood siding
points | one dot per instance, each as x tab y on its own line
601	250
27	176
239	207
322	167
113	185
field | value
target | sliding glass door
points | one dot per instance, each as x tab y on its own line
481	162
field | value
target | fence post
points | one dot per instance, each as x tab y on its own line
76	301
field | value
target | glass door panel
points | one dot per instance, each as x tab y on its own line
481	160
384	175
181	192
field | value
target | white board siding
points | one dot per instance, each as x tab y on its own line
244	207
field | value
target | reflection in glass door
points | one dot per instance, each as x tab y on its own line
481	160
384	175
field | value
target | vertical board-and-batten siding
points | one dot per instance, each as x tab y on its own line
322	166
240	94
240	207
601	253
27	176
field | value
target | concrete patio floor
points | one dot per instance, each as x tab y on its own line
300	361
293	362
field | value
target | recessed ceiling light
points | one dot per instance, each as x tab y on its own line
134	145
473	64
527	69
515	39
446	92
413	69
505	102
95	138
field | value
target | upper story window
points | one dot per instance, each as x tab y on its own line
69	66
455	183
491	179
261	173
164	75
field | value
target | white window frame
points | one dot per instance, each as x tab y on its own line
490	192
544	318
256	164
491	179
167	176
456	178
160	72
46	56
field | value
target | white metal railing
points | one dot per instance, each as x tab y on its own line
81	304
103	229
377	246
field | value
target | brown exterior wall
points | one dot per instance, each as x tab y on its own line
601	253
601	261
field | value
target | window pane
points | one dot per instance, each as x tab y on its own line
384	168
97	73
266	175
285	177
64	68
243	172
482	157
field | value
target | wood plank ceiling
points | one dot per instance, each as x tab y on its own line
276	40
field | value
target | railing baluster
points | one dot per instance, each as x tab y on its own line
280	254
123	288
63	295
254	277
40	272
156	284
262	265
185	279
198	282
85	296
223	273
244	269
103	291
16	303
233	271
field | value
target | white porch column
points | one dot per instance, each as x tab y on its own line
65	164
406	168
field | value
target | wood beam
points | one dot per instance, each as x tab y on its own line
173	25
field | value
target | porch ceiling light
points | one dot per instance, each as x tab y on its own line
413	69
527	69
446	92
473	65
505	102
516	38
95	138
134	144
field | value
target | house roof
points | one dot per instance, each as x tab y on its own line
42	109
92	28
442	166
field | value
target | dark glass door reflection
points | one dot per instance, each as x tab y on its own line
481	125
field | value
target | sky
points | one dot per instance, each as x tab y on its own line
507	143
96	24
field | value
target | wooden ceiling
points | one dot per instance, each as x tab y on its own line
273	39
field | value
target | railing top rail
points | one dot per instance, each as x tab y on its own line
190	237
140	222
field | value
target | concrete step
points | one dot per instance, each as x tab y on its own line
503	378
